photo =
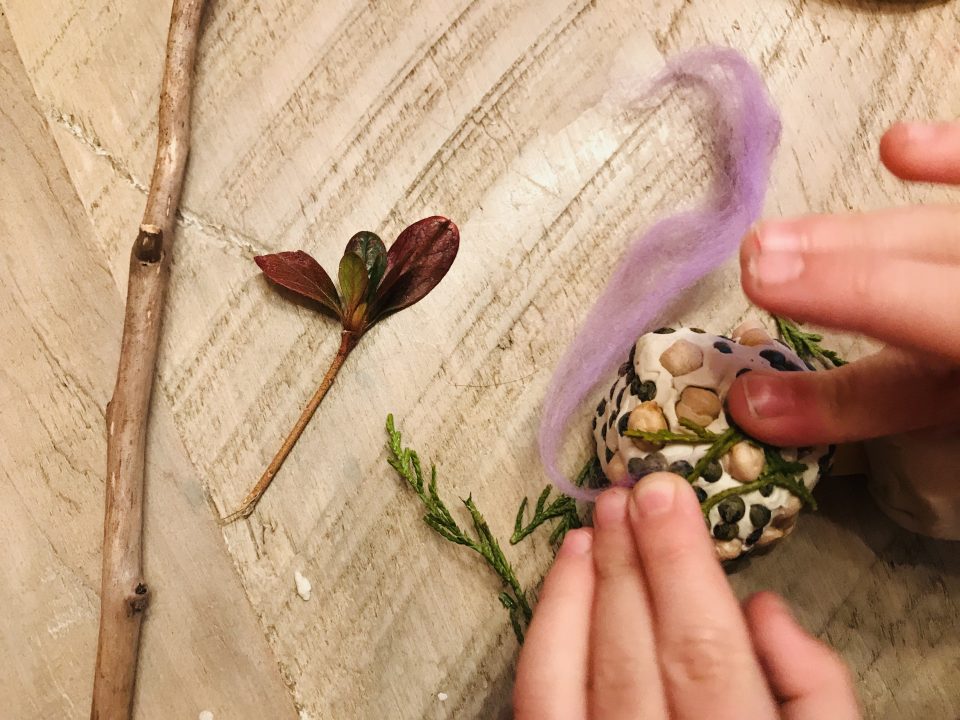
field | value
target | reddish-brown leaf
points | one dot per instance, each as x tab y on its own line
416	262
299	272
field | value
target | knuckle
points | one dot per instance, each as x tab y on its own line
615	566
842	392
700	657
862	284
612	680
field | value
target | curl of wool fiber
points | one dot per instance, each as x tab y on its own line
678	250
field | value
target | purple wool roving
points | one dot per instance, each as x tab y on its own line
678	250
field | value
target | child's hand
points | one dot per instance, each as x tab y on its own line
636	620
894	275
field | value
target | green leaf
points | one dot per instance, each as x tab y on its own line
373	252
353	287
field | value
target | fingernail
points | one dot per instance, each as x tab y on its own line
781	237
611	508
576	542
654	495
768	396
921	132
775	268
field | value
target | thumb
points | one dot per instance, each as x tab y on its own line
806	677
887	393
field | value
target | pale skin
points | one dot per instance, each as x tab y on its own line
636	618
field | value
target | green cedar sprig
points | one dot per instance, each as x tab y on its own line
786	474
406	463
591	474
562	507
777	471
700	436
807	345
720	447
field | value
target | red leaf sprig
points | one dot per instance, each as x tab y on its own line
374	284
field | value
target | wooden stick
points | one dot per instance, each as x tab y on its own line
123	592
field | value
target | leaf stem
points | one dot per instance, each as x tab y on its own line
348	341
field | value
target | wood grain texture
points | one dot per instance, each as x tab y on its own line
312	121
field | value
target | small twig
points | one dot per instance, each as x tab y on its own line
123	594
348	342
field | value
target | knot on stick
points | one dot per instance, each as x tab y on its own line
139	600
148	247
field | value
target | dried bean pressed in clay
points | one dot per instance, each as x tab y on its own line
712	472
731	509
774	357
759	515
725	531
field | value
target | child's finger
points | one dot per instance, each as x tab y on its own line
887	393
805	269
552	673
924	151
807	678
930	233
624	678
707	663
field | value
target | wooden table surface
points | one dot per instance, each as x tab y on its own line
313	120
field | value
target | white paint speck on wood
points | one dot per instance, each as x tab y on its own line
303	585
